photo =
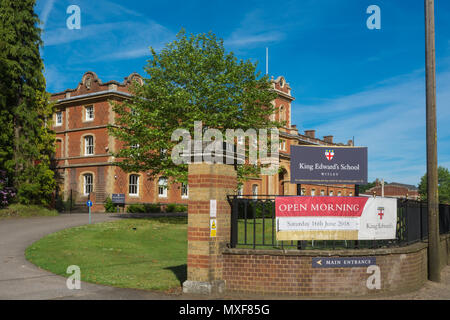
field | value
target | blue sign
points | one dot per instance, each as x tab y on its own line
328	164
340	262
89	203
118	198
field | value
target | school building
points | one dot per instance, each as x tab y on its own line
85	164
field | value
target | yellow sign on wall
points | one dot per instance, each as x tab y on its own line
213	228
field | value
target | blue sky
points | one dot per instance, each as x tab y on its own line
347	80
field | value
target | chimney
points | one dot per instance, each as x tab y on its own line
310	133
328	139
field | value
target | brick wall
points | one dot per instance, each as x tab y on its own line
291	272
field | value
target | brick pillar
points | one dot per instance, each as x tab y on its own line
204	259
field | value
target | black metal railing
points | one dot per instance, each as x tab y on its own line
253	226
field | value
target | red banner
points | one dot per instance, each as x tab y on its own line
319	206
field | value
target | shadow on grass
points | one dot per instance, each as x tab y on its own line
180	272
179	218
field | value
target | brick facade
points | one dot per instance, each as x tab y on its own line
266	272
395	190
275	272
204	259
73	162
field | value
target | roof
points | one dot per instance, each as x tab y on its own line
408	186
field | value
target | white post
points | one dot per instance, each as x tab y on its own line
382	187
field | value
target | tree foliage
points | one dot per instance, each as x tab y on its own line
26	144
191	79
443	185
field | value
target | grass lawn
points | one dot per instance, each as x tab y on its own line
25	211
256	227
132	253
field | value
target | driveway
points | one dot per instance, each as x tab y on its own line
20	279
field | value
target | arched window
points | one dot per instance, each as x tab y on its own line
162	187
88	183
282	113
133	186
88	145
331	192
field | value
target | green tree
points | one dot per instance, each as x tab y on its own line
26	143
191	79
443	185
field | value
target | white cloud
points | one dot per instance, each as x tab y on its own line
46	12
255	29
390	120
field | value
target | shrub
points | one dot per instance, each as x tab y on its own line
110	206
6	193
255	209
181	208
152	207
171	207
136	208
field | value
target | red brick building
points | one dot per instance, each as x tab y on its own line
395	190
85	163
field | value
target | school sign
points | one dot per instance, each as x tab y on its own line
330	165
335	218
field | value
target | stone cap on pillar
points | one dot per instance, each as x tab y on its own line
214	153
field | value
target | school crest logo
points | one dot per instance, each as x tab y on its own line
380	212
329	154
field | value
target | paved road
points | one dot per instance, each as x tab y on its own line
20	279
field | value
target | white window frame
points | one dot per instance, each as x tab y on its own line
88	148
282	145
255	191
88	113
322	192
331	193
240	191
133	183
339	193
59	118
162	187
88	184
184	190
313	192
